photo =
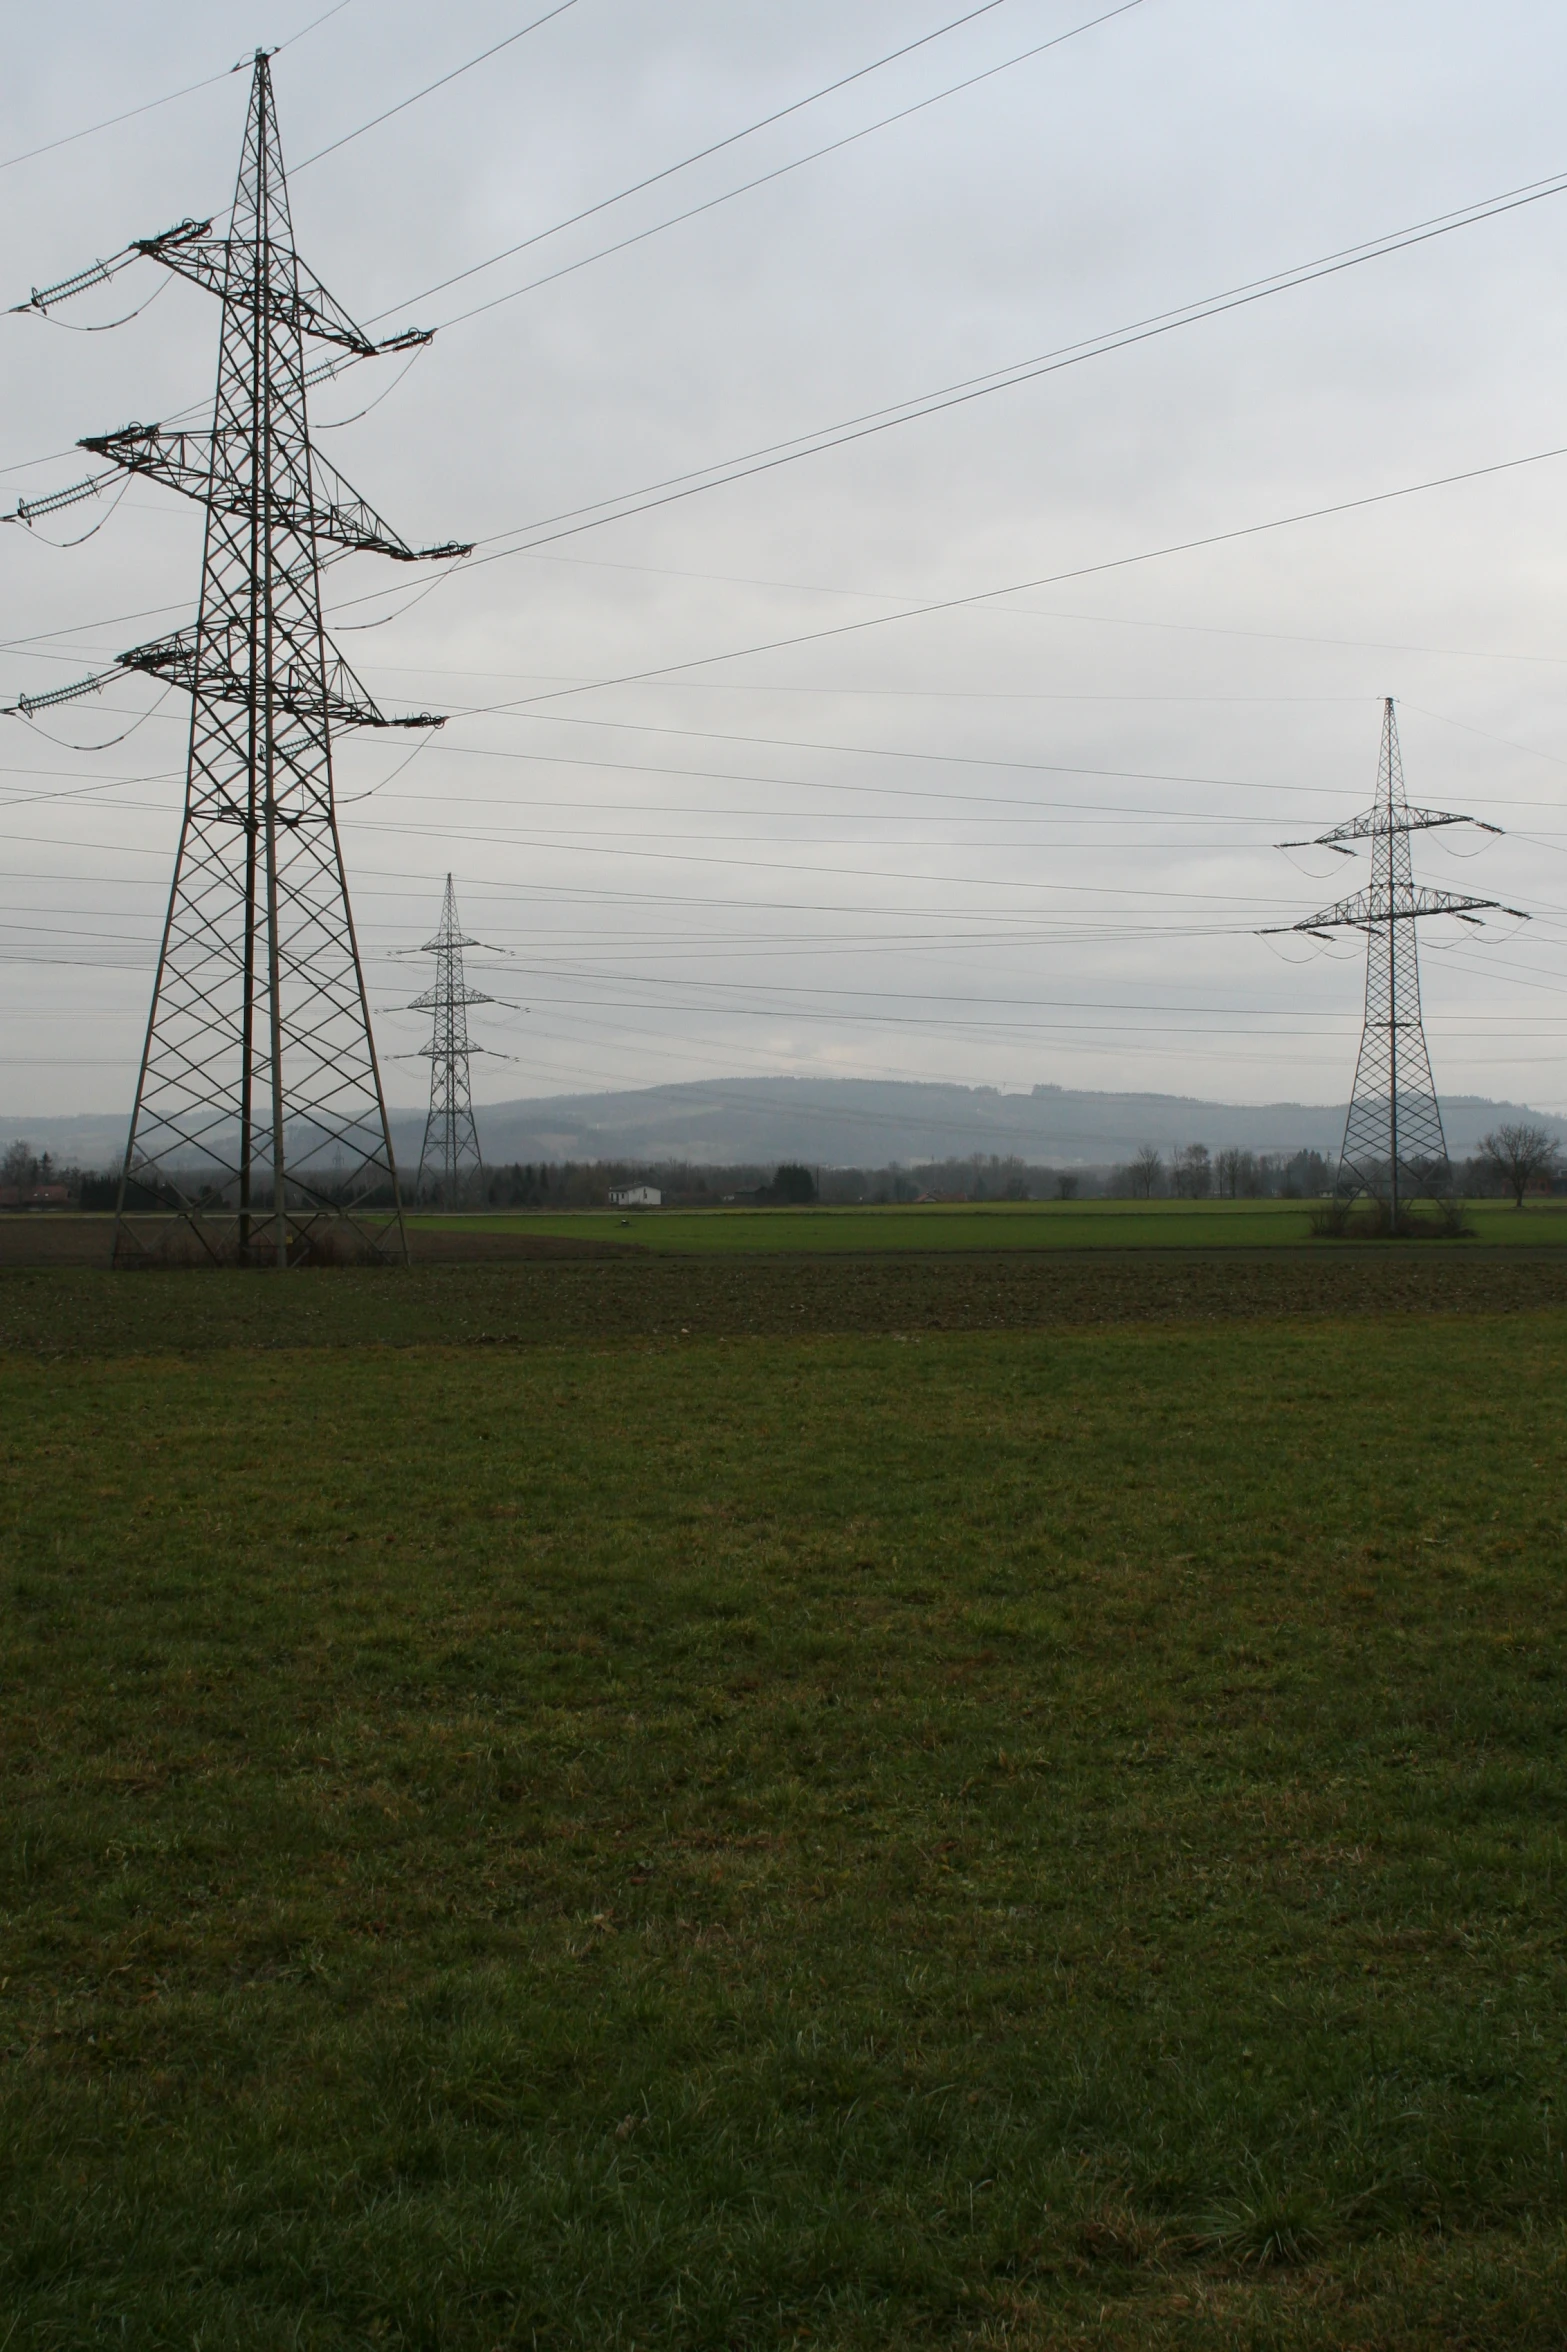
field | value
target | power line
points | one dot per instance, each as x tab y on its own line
981	596
702	154
856	751
672	489
641	236
781	171
439	84
344	141
960	800
1077	891
69	138
714	148
871	422
86	629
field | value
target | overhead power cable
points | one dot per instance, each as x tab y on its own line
440	83
570	522
978	597
76	632
70	138
782	170
981	596
964	801
30	154
733	139
770	455
104	271
958	759
1124	7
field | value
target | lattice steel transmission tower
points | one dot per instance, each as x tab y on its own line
1394	1147
259	1117
451	1138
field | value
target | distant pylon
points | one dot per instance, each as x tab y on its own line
451	1138
1393	1139
259	1115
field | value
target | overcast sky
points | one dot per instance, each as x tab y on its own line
1023	841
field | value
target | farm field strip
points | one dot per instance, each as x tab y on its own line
999	1225
514	1299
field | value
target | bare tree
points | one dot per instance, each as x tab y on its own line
1228	1166
1066	1185
1519	1155
1145	1171
1192	1172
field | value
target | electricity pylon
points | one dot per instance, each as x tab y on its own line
1393	1139
451	1139
259	1116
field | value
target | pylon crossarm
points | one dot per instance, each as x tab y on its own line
43	299
316	312
333	364
1373	909
217	677
295	297
183	461
1419	901
1373	823
351	706
1354	911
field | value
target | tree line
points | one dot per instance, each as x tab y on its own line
1514	1160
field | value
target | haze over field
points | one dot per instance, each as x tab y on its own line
1035	834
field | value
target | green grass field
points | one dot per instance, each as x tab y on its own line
1020	1225
532	1824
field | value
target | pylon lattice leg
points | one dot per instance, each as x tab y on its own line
259	1114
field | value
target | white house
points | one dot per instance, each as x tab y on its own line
637	1196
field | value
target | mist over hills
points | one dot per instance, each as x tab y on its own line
851	1122
854	1122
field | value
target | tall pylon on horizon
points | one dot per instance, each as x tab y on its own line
1394	1146
451	1137
259	1116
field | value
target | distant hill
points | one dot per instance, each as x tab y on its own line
855	1122
90	1139
852	1122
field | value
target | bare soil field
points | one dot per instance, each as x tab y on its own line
49	1240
